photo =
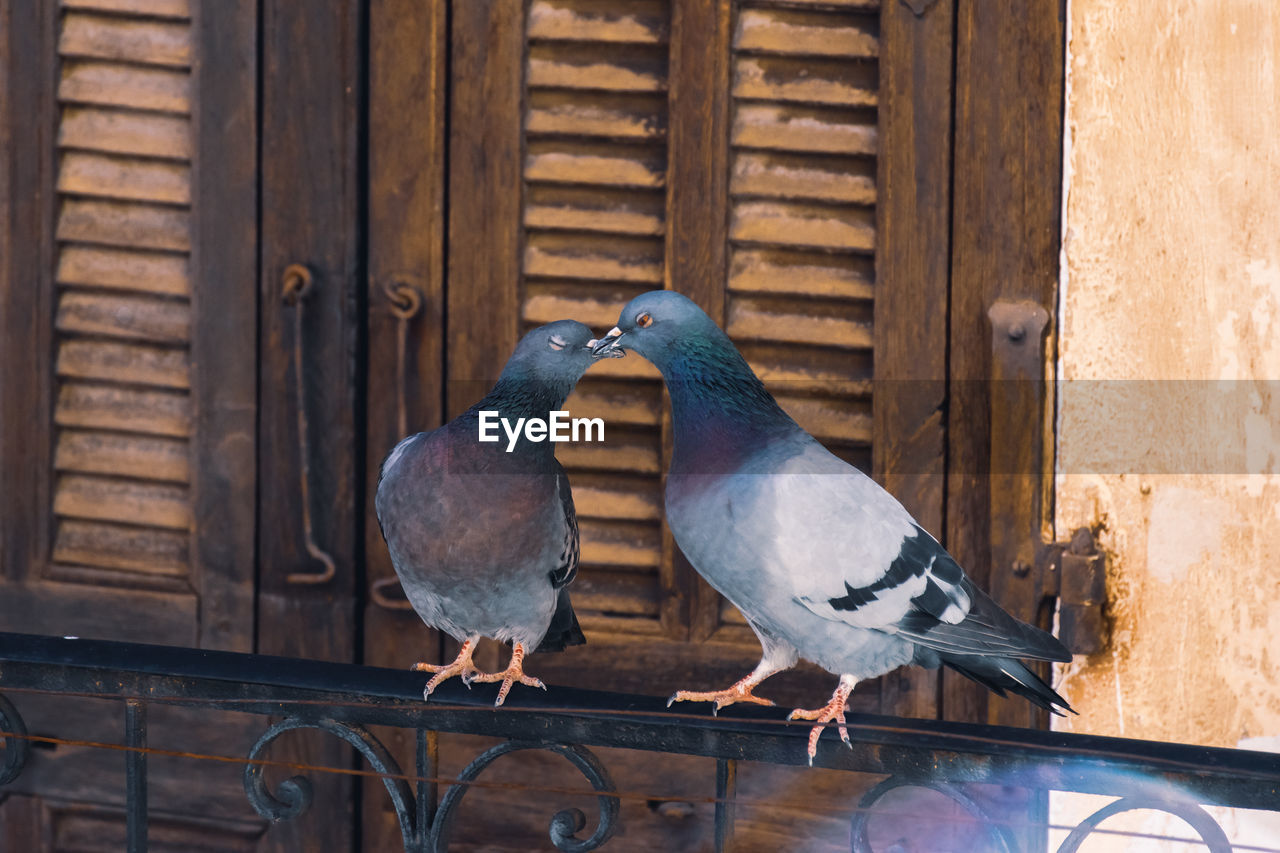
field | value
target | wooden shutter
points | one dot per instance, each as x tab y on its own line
135	423
782	125
132	427
122	413
801	221
730	151
128	400
593	215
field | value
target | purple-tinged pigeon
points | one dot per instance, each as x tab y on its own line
823	562
483	533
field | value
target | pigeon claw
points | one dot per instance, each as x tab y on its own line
509	678
461	667
513	674
722	698
832	712
465	671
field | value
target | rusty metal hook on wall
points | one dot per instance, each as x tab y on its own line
405	303
297	282
379	591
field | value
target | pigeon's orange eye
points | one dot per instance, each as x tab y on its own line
644	320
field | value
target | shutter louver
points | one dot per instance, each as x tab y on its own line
800	233
594	211
802	213
121	498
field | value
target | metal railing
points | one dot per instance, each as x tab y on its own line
343	700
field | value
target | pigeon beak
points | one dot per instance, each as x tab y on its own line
607	347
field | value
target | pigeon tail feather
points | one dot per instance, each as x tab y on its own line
564	630
1006	675
986	630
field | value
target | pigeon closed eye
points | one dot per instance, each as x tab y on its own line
823	562
485	540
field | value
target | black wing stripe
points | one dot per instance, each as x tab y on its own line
917	555
564	573
933	599
986	630
946	569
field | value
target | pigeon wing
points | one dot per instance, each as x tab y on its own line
869	564
567	569
854	554
986	630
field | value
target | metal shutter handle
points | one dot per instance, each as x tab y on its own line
296	283
382	592
404	302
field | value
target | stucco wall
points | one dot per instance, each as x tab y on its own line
1172	272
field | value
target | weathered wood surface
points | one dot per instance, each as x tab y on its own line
310	208
127	409
136	456
999	106
913	278
594	220
404	388
696	248
125	86
87	35
484	180
224	298
124	269
123	360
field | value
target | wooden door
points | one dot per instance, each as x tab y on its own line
133	419
569	155
131	430
309	506
185	235
595	151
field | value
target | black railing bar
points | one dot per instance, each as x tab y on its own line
427	762
726	797
135	727
367	688
886	745
415	708
645	796
481	702
906	748
1236	847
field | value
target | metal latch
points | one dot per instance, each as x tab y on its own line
1076	573
1021	483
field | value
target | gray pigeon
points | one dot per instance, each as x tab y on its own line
823	563
483	533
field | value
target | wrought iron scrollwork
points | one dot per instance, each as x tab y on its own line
1199	820
564	824
862	843
292	797
16	747
1181	807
